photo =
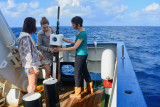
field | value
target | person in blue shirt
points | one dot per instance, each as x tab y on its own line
80	68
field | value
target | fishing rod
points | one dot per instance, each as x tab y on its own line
58	13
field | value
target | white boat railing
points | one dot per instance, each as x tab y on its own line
113	96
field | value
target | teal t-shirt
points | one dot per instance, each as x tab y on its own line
82	49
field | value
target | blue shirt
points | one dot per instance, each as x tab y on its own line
82	49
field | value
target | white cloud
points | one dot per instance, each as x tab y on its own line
2	5
11	4
149	12
103	4
51	11
153	7
118	17
147	16
64	3
75	3
70	8
110	7
13	10
134	14
111	11
17	10
8	5
34	4
121	8
116	10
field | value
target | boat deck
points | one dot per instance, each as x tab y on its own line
87	100
96	99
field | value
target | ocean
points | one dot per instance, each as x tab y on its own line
143	46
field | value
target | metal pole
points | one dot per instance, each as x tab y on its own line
58	13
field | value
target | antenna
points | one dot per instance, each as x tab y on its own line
57	31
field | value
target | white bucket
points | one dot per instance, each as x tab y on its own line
14	97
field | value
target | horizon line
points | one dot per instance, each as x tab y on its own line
103	26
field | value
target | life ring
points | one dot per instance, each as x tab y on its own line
107	83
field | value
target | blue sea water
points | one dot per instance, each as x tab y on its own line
143	46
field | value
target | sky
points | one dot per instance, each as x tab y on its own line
93	12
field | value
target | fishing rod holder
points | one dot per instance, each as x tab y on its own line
122	52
